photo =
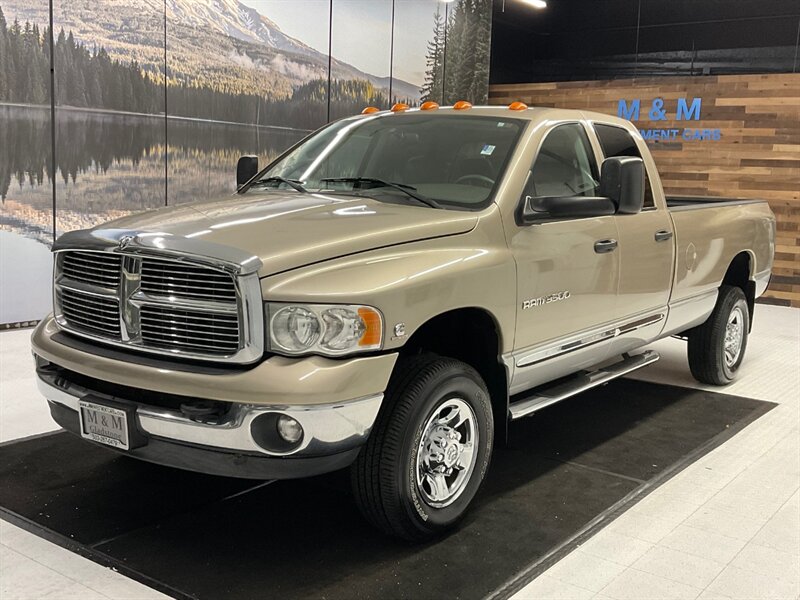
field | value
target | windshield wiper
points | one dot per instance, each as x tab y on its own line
292	183
409	190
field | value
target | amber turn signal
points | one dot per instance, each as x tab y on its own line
370	109
517	106
400	107
429	105
374	326
462	105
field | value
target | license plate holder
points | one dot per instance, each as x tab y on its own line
104	424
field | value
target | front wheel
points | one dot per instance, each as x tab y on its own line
716	348
429	450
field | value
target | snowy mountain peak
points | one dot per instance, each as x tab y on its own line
236	20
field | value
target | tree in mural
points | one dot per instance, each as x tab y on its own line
434	61
457	61
24	63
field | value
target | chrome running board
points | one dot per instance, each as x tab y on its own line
544	396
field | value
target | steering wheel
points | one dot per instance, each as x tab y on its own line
487	181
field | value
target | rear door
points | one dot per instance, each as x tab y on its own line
646	251
567	289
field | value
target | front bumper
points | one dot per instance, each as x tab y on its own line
335	401
228	444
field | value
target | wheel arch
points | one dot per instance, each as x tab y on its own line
472	335
740	274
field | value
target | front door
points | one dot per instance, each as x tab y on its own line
568	270
646	252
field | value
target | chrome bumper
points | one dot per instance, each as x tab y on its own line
328	429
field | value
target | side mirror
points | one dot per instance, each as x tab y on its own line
622	180
246	169
566	207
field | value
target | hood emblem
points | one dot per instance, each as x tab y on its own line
125	241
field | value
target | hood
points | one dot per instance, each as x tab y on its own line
287	230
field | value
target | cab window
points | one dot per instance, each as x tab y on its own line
565	165
615	141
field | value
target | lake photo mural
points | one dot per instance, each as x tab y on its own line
154	101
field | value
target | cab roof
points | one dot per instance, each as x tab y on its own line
534	113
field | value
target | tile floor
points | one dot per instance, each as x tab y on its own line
727	527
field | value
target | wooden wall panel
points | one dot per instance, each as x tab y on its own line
757	156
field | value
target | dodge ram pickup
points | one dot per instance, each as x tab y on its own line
389	293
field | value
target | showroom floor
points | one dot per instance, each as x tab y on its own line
728	526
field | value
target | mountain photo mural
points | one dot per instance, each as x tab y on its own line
155	100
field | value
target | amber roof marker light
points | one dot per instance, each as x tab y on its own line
517	106
462	105
370	110
429	105
400	107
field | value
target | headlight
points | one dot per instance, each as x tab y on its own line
330	329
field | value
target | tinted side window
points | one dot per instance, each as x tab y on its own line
615	141
565	165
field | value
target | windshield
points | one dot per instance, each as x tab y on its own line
455	161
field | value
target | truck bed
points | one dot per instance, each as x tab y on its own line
695	202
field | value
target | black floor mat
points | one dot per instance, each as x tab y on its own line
574	464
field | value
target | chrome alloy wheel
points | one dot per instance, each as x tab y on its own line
734	335
447	452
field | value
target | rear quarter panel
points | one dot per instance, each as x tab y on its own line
707	239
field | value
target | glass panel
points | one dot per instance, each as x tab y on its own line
361	63
418	51
455	160
26	193
250	79
457	38
565	165
109	69
468	41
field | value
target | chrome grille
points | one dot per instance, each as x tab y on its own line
192	330
90	313
176	306
182	280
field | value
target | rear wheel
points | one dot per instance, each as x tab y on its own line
716	348
429	450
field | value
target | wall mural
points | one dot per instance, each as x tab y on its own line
155	101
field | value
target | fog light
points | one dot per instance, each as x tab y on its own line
289	429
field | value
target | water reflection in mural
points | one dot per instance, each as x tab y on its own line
107	165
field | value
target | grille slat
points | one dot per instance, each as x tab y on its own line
202	317
88	301
170	321
211	334
190	329
94	268
91	272
182	306
190	281
93	318
178	270
106	315
168	291
219	350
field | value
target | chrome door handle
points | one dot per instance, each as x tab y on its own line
603	246
663	235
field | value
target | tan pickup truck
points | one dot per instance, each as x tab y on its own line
387	294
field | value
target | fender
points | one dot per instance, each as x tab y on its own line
413	283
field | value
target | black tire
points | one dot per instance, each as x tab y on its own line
384	476
707	359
